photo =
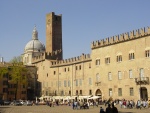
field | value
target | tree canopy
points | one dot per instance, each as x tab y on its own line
3	71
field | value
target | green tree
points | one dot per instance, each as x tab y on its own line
18	76
18	73
3	70
16	59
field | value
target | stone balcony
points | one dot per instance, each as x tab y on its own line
98	83
142	80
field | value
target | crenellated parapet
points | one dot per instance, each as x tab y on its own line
39	58
55	55
47	55
121	38
70	61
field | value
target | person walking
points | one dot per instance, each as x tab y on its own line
114	109
109	109
101	110
138	104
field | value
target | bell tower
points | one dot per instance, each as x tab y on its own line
54	34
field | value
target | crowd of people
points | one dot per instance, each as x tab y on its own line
134	104
109	104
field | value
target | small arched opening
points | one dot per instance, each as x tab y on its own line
98	93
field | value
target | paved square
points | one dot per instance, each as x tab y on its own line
62	109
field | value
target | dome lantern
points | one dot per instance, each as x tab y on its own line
35	34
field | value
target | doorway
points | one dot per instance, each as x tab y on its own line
98	93
143	93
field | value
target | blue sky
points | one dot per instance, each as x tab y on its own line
83	21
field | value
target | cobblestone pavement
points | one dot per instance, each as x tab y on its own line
62	109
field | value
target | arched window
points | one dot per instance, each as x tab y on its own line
131	55
119	57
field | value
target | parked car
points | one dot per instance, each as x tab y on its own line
6	102
1	102
17	103
28	103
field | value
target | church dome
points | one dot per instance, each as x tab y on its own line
34	45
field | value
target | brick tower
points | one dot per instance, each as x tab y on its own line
54	34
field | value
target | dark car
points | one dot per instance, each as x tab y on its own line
6	102
1	102
17	103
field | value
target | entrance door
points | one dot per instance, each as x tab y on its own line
143	93
98	93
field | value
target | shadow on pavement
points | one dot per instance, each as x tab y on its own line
2	107
125	112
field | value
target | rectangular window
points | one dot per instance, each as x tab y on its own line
119	58
80	67
119	91
107	60
131	91
64	69
76	92
76	82
80	92
5	90
110	91
76	67
141	72
97	78
131	56
62	93
68	68
80	82
119	75
130	73
90	92
90	81
147	53
68	83
23	86
5	82
98	62
109	76
5	76
89	65
65	83
70	93
59	83
54	72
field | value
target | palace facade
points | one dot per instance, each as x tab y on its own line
117	66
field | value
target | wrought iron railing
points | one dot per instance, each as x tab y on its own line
142	80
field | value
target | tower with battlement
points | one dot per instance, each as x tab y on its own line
54	34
